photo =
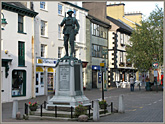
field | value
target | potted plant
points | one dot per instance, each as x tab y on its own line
103	104
33	106
80	110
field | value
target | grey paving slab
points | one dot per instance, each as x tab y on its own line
140	105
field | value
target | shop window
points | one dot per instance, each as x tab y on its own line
18	83
50	83
42	78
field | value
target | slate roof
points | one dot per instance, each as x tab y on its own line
18	8
123	27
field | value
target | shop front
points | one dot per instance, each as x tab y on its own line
45	76
96	76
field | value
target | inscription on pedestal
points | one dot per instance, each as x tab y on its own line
64	78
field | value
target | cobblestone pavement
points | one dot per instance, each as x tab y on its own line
140	105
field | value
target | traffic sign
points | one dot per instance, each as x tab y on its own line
155	65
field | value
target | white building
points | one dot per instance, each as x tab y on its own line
49	40
16	52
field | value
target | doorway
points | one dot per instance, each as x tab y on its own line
94	79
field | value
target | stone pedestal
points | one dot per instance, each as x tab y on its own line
69	85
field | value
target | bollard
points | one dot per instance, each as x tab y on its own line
41	110
96	110
111	107
89	111
92	104
55	111
26	109
121	104
44	104
71	112
15	108
48	98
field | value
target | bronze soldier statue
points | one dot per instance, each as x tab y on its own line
70	31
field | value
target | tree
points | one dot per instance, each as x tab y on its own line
146	42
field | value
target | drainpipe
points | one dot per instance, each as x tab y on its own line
33	69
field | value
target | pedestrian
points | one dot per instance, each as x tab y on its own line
132	83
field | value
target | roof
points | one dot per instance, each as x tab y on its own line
76	6
18	8
116	4
122	26
97	21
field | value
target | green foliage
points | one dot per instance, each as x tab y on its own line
102	102
147	42
80	110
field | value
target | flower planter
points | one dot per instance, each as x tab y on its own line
102	106
33	108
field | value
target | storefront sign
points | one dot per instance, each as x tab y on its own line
64	78
46	62
39	69
50	70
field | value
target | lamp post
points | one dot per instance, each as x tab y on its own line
3	21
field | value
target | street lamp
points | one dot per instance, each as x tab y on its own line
3	22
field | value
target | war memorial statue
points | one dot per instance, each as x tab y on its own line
69	81
70	31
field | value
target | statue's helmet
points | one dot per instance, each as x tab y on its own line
70	11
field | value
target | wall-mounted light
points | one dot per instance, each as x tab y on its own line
3	22
6	51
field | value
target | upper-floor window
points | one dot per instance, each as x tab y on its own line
59	52
122	39
121	57
43	28
60	34
21	53
20	23
42	5
43	50
97	51
60	9
75	13
99	31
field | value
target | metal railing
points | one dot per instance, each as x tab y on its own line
43	105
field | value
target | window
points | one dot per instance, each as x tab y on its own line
97	51
21	53
122	39
43	50
42	5
75	13
18	83
20	23
60	9
60	34
43	28
121	56
99	31
59	52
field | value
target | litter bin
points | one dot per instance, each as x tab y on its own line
148	86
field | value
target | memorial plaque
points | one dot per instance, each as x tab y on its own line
64	78
77	77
